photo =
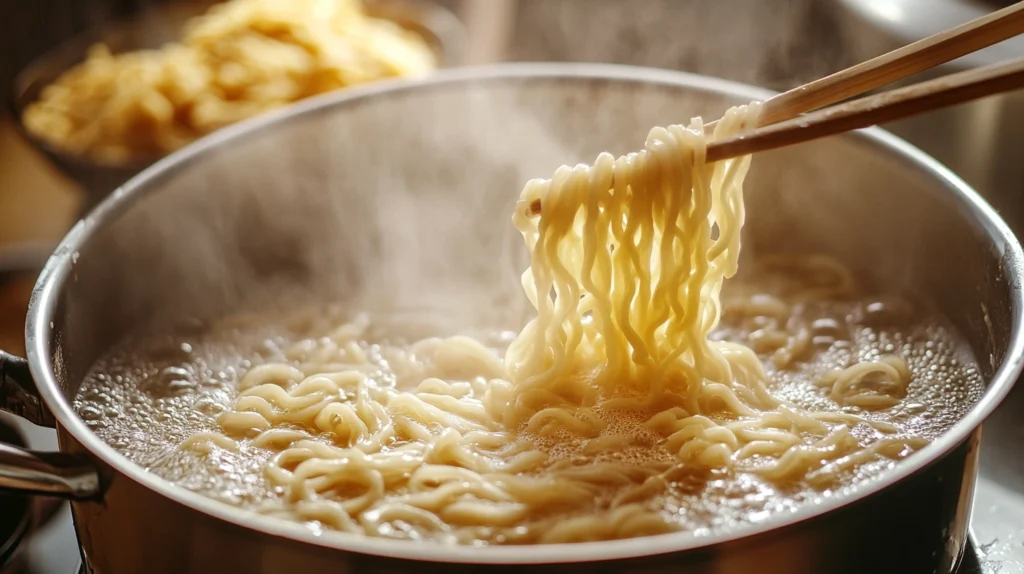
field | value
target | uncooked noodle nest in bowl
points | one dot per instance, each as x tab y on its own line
239	59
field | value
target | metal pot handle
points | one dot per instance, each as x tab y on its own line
32	472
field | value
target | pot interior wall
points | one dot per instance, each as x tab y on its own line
406	198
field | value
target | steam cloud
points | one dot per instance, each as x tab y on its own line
404	204
777	44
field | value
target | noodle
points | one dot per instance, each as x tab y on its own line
238	60
615	410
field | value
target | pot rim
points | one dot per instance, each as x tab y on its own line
60	266
911	20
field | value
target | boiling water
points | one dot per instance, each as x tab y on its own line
149	396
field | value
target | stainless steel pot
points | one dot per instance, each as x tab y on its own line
325	198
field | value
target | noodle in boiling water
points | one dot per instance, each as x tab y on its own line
607	404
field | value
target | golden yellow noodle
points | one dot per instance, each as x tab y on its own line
238	60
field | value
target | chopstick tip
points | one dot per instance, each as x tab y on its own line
533	209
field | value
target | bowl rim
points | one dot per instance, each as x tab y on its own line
59	268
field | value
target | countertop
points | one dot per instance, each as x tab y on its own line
37	204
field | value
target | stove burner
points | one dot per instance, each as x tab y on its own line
15	511
971	563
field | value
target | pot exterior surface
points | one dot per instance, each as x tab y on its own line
919	525
358	197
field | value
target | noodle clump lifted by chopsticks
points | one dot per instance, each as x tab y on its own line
238	60
613	395
628	260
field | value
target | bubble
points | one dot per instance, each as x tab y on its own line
208	406
90	413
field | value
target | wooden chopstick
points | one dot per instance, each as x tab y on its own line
875	109
911	59
781	123
868	111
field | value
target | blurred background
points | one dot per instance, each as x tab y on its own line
777	44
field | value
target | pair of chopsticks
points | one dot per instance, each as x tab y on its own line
784	120
800	114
